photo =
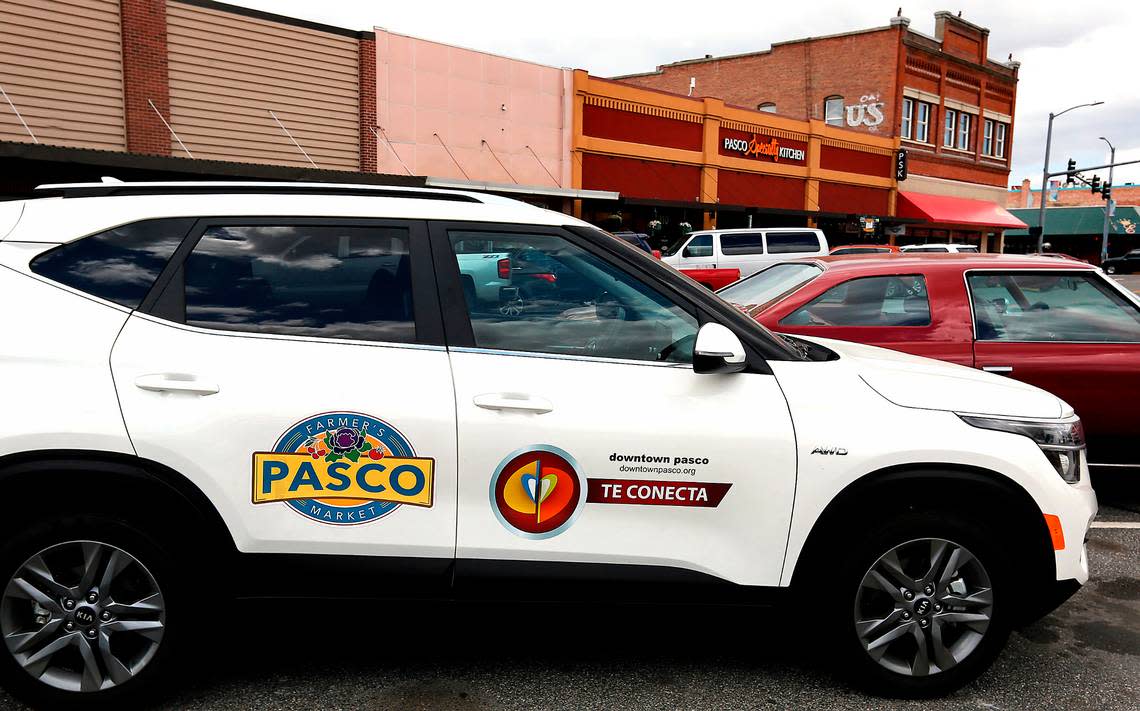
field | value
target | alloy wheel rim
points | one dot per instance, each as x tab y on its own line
923	607
82	616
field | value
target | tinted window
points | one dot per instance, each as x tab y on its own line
563	300
860	250
1051	307
337	282
968	248
700	246
792	242
742	243
925	249
869	301
118	265
770	284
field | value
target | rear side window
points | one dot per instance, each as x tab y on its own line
303	280
1051	307
118	265
868	301
742	244
792	242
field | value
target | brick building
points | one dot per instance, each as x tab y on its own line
949	104
1072	196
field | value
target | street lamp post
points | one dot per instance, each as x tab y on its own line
1108	204
1045	171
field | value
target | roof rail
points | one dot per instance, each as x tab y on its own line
103	189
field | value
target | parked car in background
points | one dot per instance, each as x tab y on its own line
1056	323
712	279
748	250
1125	264
863	249
941	248
637	239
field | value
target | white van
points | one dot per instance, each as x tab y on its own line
748	250
955	248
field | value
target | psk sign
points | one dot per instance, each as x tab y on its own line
900	164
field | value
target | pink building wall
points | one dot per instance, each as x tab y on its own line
467	97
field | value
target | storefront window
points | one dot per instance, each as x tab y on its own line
833	111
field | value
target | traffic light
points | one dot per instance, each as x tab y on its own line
1070	172
1094	184
1106	192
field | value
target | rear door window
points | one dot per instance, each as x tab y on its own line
351	282
1054	306
748	243
867	301
792	242
120	264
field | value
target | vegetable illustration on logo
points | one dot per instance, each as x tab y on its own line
536	492
343	468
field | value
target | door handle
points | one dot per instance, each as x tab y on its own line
175	383
513	401
998	368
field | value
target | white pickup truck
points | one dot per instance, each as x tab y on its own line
484	273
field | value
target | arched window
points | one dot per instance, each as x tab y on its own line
833	111
769	106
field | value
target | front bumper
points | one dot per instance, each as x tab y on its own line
1079	509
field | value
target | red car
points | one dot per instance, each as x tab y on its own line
848	249
1056	323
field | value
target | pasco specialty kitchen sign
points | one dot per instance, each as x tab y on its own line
758	146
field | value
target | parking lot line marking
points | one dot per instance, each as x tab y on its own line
1115	524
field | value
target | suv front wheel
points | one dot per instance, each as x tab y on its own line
85	613
925	611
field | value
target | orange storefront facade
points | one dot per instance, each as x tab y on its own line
676	159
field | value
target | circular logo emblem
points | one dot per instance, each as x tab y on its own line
922	606
84	616
351	437
536	492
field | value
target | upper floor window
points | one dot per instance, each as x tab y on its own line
993	138
907	128
769	106
833	111
963	131
922	122
949	131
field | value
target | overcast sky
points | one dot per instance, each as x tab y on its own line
1070	52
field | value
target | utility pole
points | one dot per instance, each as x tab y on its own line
1109	203
1045	171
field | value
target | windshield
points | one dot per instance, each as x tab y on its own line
770	284
675	246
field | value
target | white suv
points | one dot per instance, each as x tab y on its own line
952	248
285	387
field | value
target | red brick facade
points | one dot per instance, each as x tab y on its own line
145	77
878	74
368	121
1075	196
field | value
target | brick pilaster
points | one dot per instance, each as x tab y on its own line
145	75
367	90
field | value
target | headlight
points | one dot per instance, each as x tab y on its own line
1062	441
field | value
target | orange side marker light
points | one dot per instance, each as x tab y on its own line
1055	531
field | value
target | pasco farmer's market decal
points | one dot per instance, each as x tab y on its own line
343	468
757	146
537	492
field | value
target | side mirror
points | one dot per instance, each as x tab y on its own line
718	350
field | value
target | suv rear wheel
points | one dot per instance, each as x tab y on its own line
925	610
86	613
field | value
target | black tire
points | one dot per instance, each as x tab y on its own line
857	664
158	560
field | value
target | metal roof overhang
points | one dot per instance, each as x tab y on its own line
516	189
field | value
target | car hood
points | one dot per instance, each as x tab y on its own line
913	381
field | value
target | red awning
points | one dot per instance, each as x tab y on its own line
956	211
